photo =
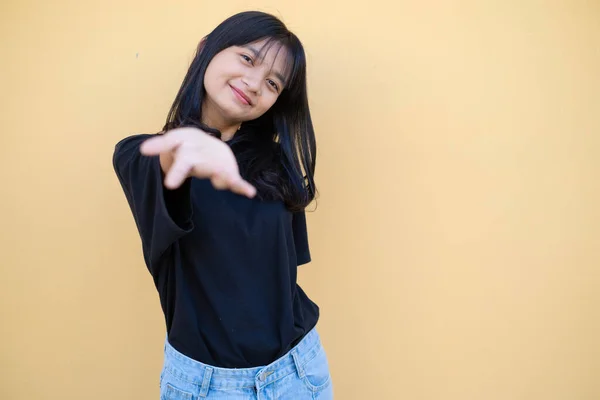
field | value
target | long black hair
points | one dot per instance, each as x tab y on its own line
277	151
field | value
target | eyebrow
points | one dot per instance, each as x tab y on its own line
276	73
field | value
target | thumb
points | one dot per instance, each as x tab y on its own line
158	144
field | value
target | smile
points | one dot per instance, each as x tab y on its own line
240	96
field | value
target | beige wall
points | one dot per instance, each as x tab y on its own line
456	242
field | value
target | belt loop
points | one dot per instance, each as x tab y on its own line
297	363
206	382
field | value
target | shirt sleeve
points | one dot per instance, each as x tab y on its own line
162	216
301	237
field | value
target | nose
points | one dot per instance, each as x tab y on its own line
252	82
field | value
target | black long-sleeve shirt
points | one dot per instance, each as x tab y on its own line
224	265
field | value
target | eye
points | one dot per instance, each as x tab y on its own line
273	84
247	59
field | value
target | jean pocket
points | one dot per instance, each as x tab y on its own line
316	371
173	393
173	387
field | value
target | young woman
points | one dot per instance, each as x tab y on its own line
218	197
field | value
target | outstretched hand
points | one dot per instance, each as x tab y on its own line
188	151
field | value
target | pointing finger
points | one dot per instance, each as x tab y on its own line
219	180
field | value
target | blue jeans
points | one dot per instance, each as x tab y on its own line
301	374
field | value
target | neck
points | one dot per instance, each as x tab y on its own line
215	120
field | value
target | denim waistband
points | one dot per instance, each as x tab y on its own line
207	376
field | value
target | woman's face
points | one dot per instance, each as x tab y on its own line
241	85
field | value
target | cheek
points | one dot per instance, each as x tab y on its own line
215	86
268	100
209	81
215	75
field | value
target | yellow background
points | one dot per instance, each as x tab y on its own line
457	236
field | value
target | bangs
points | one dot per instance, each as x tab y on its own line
294	58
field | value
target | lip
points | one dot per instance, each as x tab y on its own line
242	97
